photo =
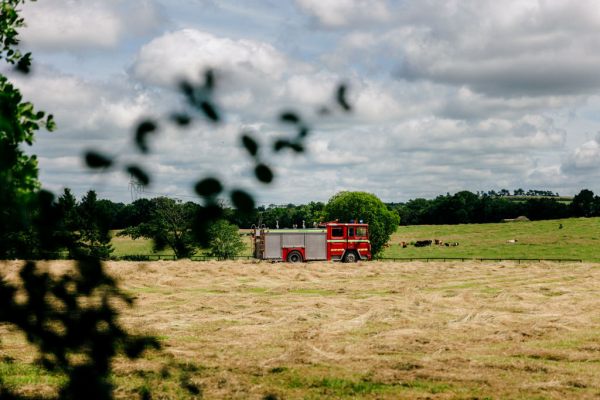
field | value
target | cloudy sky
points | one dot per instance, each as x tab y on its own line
447	95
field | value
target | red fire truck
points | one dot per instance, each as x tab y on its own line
333	241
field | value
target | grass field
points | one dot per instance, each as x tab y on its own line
124	245
579	238
378	330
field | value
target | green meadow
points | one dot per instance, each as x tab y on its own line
574	238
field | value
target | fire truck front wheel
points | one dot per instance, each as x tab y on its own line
350	257
294	257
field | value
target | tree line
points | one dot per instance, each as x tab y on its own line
460	208
474	208
83	228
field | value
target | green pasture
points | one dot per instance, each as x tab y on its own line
579	238
125	246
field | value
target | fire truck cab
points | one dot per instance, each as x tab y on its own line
333	241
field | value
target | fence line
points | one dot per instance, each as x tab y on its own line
171	257
158	257
518	260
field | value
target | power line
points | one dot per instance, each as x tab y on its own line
135	188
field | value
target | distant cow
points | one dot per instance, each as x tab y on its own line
403	244
438	242
512	241
452	244
423	243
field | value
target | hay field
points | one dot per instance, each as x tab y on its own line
371	330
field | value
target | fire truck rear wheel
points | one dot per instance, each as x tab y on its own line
350	257
294	257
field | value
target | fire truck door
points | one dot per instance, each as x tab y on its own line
351	241
336	244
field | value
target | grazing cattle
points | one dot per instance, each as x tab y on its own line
452	244
423	243
512	241
403	244
438	242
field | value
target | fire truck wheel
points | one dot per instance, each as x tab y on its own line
294	257
350	257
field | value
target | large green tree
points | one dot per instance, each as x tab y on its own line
584	204
70	318
170	225
19	122
346	206
93	230
224	240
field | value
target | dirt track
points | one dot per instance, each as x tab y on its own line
376	330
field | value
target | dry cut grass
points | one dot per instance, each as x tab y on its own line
372	330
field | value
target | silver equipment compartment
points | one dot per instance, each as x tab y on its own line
316	246
292	240
272	246
269	244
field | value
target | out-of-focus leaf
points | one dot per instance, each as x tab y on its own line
209	79
263	173
139	174
50	123
208	187
250	145
280	144
141	133
135	346
205	216
181	119
24	64
303	132
97	160
297	147
242	200
186	88
210	111
341	98
324	110
289	117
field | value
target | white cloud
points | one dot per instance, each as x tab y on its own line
516	47
481	105
79	105
75	25
584	158
188	52
342	13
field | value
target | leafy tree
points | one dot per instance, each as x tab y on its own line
70	223
543	209
19	122
346	206
224	240
93	228
170	225
84	306
133	214
70	318
582	204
